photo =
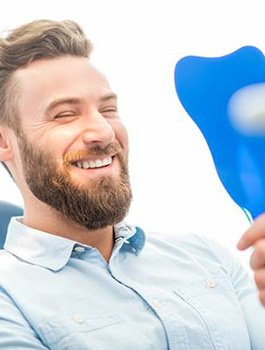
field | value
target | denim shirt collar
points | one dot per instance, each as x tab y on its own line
53	252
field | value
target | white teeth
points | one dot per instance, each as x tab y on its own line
85	165
106	161
98	163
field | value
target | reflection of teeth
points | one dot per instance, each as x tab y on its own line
98	163
246	109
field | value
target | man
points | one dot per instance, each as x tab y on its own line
73	275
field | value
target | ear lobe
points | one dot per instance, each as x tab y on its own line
5	145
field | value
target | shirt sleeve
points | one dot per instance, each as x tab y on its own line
246	292
15	331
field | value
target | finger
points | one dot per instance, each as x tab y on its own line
259	277
262	297
255	232
257	260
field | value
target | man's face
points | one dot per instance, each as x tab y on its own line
73	146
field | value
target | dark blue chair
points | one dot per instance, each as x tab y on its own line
7	210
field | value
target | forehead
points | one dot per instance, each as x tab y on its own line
44	80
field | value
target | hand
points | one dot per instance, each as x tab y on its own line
255	236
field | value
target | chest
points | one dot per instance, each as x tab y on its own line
132	306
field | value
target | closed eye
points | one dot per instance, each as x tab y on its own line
112	109
65	115
111	112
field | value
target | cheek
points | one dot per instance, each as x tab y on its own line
58	141
121	134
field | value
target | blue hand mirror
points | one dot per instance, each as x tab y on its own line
225	97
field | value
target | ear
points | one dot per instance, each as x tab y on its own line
5	144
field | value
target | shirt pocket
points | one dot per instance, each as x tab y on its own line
79	331
216	305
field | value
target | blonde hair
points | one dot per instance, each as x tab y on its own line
37	40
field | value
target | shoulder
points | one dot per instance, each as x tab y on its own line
9	264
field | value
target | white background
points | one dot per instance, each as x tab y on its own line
137	44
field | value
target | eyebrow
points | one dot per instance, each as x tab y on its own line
109	96
76	101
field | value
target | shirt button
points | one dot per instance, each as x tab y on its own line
78	318
156	303
79	249
120	238
210	283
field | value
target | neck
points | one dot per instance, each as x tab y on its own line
47	219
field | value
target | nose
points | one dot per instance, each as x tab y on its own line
98	131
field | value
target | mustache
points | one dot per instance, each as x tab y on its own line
77	155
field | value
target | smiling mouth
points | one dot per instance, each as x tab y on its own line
92	164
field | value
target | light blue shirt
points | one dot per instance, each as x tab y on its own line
156	293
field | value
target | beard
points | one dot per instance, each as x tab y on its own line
99	203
